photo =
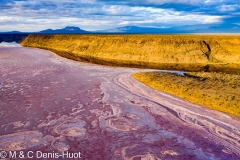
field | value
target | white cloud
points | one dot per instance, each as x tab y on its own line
227	8
89	15
5	18
174	1
214	19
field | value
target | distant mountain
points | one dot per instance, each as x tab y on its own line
201	28
66	30
230	28
135	29
16	36
15	32
184	29
146	30
12	37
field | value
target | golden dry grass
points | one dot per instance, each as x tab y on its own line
218	91
176	52
210	53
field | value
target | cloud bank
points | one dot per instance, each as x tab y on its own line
36	15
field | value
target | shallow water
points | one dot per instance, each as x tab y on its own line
9	44
49	103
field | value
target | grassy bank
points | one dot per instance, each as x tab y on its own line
175	52
214	90
193	53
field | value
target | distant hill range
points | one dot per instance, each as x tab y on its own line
16	36
12	37
66	30
186	29
202	28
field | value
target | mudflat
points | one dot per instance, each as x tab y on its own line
49	103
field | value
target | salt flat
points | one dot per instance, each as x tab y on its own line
49	103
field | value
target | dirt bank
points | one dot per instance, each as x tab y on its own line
214	90
179	52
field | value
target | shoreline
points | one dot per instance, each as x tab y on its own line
164	52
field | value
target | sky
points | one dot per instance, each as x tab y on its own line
92	15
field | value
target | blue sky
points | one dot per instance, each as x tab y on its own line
36	15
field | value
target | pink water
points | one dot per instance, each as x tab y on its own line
49	103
